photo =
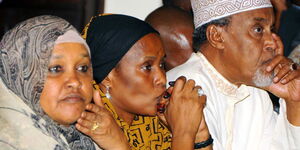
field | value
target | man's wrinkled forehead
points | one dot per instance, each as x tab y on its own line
208	10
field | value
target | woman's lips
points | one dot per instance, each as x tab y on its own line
73	98
160	104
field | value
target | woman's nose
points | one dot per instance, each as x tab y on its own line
160	79
73	81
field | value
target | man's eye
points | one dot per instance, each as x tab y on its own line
55	69
258	29
84	68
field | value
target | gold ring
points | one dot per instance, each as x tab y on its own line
95	126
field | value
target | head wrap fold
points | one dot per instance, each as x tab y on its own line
110	37
25	51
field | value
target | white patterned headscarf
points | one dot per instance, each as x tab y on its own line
208	10
24	56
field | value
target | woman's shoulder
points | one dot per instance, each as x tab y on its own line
18	131
18	128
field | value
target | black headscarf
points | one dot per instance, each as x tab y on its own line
110	37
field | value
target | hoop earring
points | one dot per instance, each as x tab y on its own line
107	93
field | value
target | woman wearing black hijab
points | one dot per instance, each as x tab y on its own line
127	57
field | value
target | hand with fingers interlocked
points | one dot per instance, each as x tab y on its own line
184	114
98	123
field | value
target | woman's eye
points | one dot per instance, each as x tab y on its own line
258	29
84	68
55	69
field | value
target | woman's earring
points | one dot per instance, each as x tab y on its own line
107	93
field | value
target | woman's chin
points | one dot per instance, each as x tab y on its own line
151	112
69	117
68	121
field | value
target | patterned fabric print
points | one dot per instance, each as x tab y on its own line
208	10
24	55
145	133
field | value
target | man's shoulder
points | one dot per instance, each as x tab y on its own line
192	66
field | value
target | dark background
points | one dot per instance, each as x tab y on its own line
77	12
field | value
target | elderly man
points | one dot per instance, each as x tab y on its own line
175	27
238	58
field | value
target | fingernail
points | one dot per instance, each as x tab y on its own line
172	83
166	95
269	68
275	79
88	106
83	114
79	120
283	81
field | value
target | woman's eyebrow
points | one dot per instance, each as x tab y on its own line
61	56
57	56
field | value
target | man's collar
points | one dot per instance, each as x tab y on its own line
223	85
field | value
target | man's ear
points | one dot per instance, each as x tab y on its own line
214	36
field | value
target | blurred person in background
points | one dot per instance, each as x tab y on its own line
175	28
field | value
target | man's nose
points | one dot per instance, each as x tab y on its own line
269	43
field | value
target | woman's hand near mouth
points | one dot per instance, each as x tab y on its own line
98	123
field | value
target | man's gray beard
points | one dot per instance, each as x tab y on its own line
262	79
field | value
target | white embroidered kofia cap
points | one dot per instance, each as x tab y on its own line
208	10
